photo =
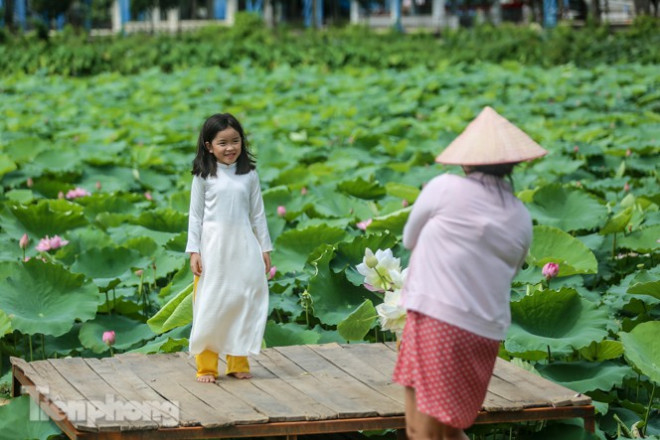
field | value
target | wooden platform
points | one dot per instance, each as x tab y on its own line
295	390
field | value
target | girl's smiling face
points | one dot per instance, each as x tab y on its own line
226	146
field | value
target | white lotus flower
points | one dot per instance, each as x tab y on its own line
380	276
390	313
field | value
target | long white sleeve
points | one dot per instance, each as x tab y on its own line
195	215
258	215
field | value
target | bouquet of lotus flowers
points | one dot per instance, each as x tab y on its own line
382	273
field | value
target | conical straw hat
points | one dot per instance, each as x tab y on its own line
490	139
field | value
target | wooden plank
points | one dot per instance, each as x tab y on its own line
341	383
126	384
25	385
67	398
309	385
541	388
271	405
299	402
114	409
155	373
373	375
374	354
225	408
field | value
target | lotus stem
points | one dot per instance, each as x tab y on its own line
613	245
648	410
622	426
43	345
107	302
549	355
30	344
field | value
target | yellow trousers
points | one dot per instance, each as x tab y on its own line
207	361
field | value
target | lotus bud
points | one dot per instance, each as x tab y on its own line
98	185
576	149
371	261
281	211
550	270
109	338
272	272
405	203
60	195
628	152
148	196
23	242
139	272
29	182
303	190
363	225
626	187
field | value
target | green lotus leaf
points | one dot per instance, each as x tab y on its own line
176	313
394	221
59	159
642	350
67	344
164	220
642	240
6	165
362	189
334	298
180	281
618	222
330	203
278	335
602	351
177	243
359	322
128	332
170	342
180	201
102	203
106	266
646	283
556	319
45	298
584	377
564	431
554	245
5	324
21	420
286	301
121	234
46	217
295	245
402	191
568	209
22	196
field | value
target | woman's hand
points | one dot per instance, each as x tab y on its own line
267	261
196	263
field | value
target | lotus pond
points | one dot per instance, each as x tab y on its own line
101	166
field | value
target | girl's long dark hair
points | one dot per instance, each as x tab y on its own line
205	163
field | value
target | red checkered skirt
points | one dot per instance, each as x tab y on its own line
448	367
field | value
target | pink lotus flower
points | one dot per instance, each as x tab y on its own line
48	244
303	190
281	211
272	272
550	270
23	242
576	149
148	196
77	192
626	187
109	338
405	203
364	224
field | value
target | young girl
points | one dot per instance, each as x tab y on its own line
469	236
229	248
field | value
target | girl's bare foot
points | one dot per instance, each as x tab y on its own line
206	378
241	375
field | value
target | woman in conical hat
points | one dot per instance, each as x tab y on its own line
469	236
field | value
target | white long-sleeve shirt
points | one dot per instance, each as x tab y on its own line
469	236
